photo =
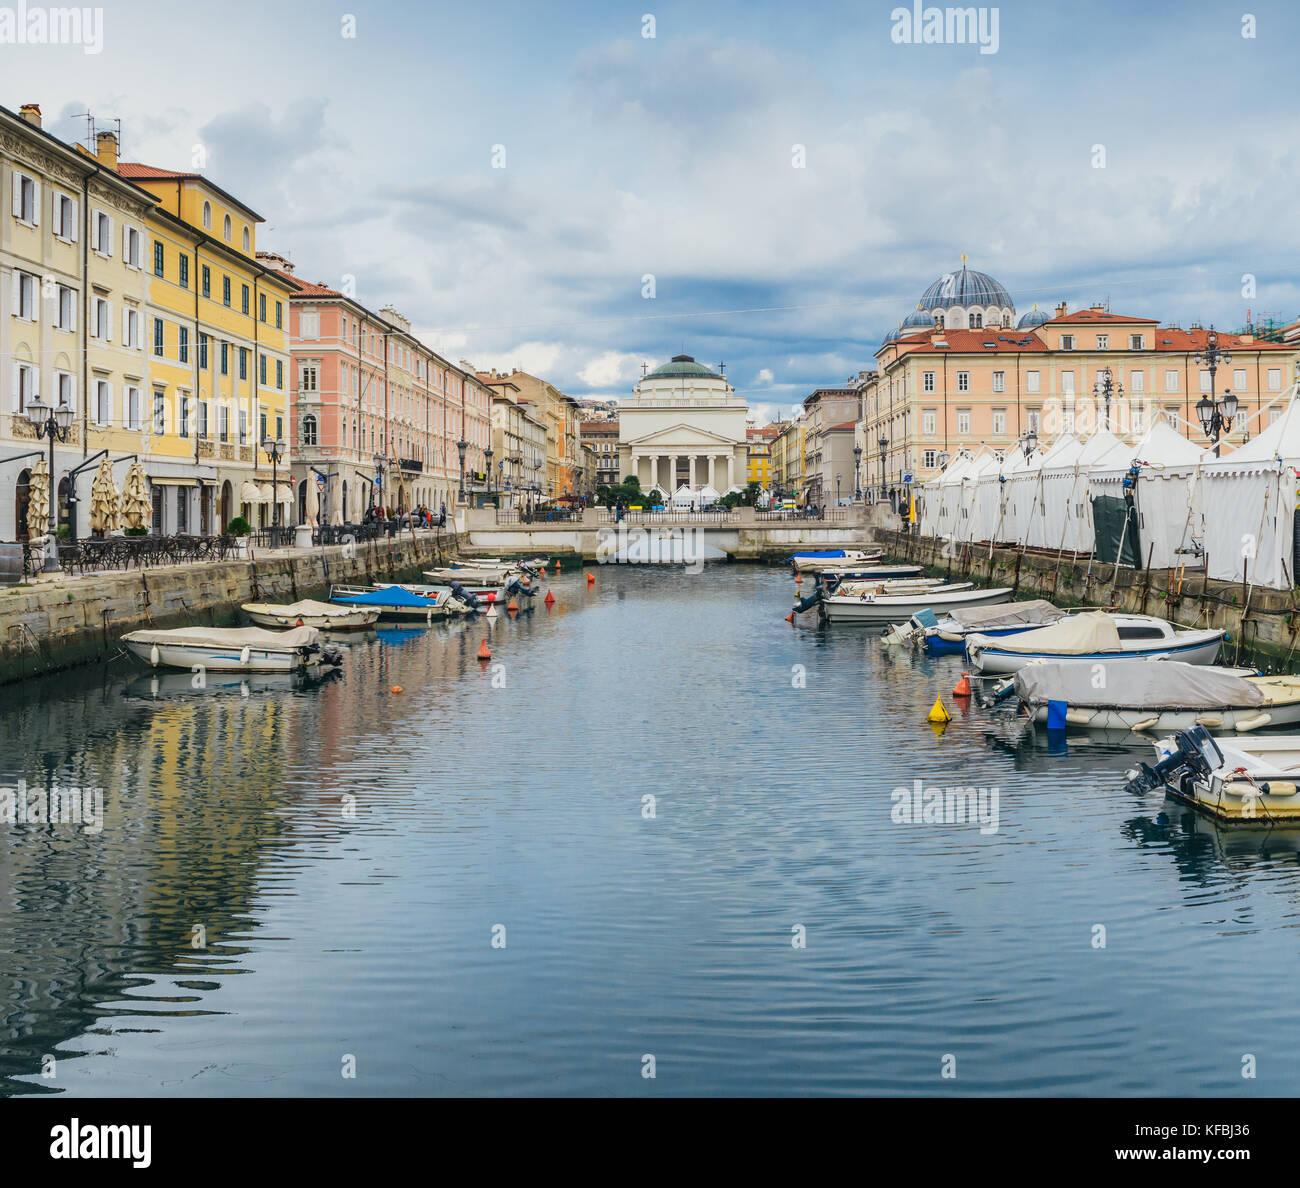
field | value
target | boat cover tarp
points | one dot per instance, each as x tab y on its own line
824	554
386	596
1136	684
229	637
1091	631
307	606
1109	515
1011	614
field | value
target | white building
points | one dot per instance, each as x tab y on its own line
684	427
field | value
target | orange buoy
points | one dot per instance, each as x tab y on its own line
790	618
543	569
512	607
484	652
549	599
798	579
395	689
299	623
557	565
591	581
490	596
963	686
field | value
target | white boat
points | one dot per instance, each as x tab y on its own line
1094	636
325	616
1140	696
1244	781
815	563
232	649
899	586
415	603
866	573
470	574
949	633
871	608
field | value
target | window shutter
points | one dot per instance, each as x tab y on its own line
107	248
18	194
74	222
36	203
36	383
126	328
17	390
72	295
35	288
18	285
108	322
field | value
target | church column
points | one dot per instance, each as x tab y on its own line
712	460
731	469
671	482
693	483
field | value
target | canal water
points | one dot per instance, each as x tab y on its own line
658	824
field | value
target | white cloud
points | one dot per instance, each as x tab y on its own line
611	369
764	376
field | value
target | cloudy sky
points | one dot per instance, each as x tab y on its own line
379	156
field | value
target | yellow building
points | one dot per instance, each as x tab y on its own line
218	345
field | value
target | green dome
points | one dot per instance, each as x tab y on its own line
683	367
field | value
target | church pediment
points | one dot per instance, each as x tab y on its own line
682	437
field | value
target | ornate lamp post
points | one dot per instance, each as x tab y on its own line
276	449
487	453
1029	443
857	473
55	424
837	490
461	447
884	445
1104	389
1216	416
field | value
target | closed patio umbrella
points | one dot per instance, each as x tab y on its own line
103	499
38	501
134	501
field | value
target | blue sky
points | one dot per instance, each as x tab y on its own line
625	156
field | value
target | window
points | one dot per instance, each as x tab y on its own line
1103	342
1274	379
243	363
131	247
1137	381
261	426
223	423
184	268
261	370
158	258
1137	416
101	234
1033	419
1067	383
225	358
307	377
1239	379
157	336
927	381
928	422
207	281
248	240
999	381
27	199
243	304
203	419
929	459
999	422
103	402
183	344
279	315
309	324
67	312
1135	342
1067	342
1171	380
243	427
1171	414
963	381
225	291
1031	381
203	351
100	327
133	408
1205	380
279	374
225	228
24	386
66	388
159	413
65	218
261	307
207	216
975	321
131	329
963	422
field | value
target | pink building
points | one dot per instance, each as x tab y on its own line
377	417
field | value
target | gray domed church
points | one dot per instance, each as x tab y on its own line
683	431
963	300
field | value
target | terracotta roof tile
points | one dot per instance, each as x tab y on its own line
971	342
1173	338
1099	316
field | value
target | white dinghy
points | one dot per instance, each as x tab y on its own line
233	649
870	608
324	616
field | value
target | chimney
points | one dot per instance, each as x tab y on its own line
106	150
276	261
31	112
1060	310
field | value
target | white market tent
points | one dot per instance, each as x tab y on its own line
966	496
1020	495
1047	516
709	495
1250	500
1171	517
683	496
1066	506
986	499
950	488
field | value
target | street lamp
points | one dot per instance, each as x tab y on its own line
1216	417
1029	443
487	453
461	447
54	424
884	445
857	473
837	490
276	449
1104	389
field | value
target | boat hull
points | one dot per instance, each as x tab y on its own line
1216	719
351	621
885	609
225	659
1204	649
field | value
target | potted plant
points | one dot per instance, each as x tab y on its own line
240	529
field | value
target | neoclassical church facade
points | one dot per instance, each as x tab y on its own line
683	431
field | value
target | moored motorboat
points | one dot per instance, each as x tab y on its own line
1094	636
949	633
399	602
1243	781
325	616
867	573
471	574
233	649
870	608
1140	696
832	559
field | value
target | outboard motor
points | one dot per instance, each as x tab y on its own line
808	601
514	586
1194	755
459	591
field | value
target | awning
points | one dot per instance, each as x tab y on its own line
286	493
250	493
267	495
167	480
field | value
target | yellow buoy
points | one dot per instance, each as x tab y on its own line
938	713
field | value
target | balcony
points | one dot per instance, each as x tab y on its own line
413	464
